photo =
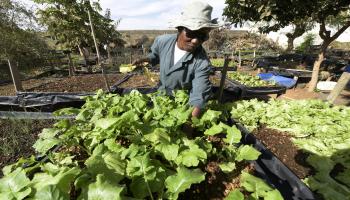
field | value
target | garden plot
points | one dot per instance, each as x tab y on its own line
80	83
318	130
249	80
215	177
137	146
251	86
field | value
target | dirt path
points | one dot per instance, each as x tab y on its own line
302	93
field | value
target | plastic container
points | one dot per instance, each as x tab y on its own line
246	91
326	85
280	80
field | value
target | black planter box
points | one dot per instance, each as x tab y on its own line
268	166
41	102
247	91
273	171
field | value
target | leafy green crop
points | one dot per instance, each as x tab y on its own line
219	62
126	147
319	129
257	187
249	80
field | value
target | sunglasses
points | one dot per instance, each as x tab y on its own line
202	36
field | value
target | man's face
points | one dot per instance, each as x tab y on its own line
189	40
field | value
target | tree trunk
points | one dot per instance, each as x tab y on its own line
109	55
299	29
327	39
344	79
290	46
316	68
71	66
84	52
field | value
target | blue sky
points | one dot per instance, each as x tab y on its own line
149	14
156	14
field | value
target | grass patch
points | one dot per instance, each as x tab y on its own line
17	137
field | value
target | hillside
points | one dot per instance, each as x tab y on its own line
340	45
219	39
139	37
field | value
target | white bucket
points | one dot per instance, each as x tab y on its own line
326	85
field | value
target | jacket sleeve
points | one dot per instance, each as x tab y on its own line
201	86
154	55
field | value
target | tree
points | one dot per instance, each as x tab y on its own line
68	22
299	29
309	40
19	39
280	13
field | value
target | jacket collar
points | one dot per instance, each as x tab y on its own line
186	58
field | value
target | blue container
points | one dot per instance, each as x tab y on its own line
279	80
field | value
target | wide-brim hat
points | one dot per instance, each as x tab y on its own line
196	15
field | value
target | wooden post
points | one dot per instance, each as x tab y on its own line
98	54
296	81
223	78
343	80
109	54
15	76
130	56
239	59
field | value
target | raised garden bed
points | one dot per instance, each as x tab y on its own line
217	184
309	136
251	86
273	144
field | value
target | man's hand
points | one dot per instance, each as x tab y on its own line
140	61
196	112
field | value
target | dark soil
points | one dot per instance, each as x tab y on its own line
84	83
80	83
93	82
17	138
217	184
281	145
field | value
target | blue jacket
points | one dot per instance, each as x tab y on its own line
191	72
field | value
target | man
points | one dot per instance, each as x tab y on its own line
183	61
347	67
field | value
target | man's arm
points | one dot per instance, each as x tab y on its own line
201	89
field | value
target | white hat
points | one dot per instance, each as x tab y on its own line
196	15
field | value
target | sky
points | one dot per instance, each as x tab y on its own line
156	14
